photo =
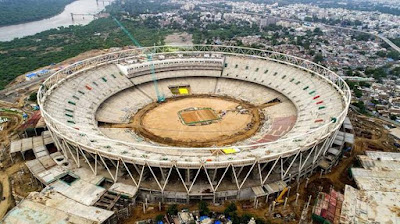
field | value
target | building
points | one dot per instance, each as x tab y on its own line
377	198
303	105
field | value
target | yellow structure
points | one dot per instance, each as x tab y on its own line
279	199
183	91
230	150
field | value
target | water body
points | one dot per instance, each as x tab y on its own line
63	19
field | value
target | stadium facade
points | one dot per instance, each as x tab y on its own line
290	144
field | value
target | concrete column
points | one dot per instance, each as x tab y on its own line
307	179
284	204
233	180
297	198
163	173
273	205
309	200
187	176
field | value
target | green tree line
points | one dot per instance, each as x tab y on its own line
20	56
14	12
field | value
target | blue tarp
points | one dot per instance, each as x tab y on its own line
43	71
203	217
31	75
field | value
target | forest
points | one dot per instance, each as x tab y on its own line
29	53
136	7
21	11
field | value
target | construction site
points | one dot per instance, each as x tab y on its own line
103	148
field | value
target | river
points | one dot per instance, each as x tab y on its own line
63	19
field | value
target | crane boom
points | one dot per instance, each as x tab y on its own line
160	96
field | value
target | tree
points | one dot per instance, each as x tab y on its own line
172	209
203	208
159	218
381	54
361	107
71	41
318	58
13	12
357	93
308	19
260	221
33	96
364	84
318	31
393	55
231	208
374	101
230	211
245	218
349	72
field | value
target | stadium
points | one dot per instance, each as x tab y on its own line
201	122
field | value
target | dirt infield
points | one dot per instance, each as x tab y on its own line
199	116
161	123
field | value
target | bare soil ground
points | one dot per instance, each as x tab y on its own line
9	127
161	123
179	39
5	175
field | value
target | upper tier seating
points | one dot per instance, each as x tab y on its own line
105	94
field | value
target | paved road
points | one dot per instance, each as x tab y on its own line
23	85
355	109
394	46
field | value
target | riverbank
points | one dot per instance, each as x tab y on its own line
23	11
63	19
50	47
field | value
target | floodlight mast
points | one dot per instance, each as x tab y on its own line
160	96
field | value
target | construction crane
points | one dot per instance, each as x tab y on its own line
160	96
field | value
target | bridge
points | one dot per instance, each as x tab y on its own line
83	15
91	14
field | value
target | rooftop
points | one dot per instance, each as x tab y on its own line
378	196
49	206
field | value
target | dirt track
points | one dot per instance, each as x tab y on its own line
9	127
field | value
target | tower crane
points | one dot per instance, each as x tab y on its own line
160	96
